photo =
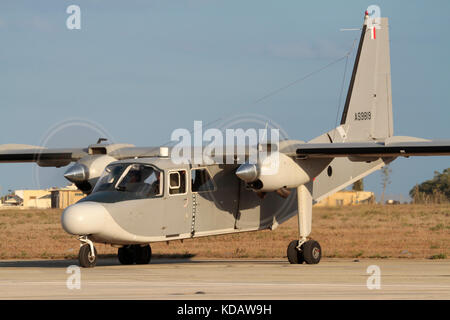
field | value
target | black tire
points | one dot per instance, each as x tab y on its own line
294	255
312	252
126	255
143	254
85	257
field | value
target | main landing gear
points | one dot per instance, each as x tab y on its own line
135	254
304	250
309	252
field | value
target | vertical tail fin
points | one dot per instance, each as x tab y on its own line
367	113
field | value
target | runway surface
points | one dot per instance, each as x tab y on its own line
226	279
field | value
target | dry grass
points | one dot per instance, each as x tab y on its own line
366	231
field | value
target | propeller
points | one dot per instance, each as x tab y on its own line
74	133
77	173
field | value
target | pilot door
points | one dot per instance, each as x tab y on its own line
177	215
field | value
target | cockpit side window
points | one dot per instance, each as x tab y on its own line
139	179
154	181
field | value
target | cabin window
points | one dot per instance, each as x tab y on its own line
174	180
201	180
177	182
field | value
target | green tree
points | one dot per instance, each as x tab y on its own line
435	190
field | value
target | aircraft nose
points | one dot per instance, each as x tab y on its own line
84	218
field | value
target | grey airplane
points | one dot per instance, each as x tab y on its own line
140	195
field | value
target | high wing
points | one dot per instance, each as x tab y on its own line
57	157
367	150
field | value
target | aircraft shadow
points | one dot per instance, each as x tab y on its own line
111	260
103	260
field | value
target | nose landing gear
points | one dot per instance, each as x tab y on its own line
87	256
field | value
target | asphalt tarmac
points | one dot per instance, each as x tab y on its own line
226	279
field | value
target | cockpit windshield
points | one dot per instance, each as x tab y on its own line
140	179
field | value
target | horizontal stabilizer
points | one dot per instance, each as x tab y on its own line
373	149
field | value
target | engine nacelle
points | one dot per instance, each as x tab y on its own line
274	172
87	170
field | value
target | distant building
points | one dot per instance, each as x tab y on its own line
34	198
347	198
11	200
64	197
44	199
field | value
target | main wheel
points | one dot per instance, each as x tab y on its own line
86	258
294	255
126	255
143	254
311	252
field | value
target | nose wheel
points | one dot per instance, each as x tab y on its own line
87	256
135	254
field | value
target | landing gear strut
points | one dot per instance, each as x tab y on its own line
87	256
135	254
304	250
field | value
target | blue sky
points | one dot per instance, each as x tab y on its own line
137	70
